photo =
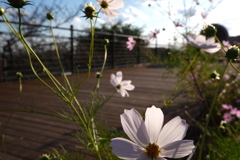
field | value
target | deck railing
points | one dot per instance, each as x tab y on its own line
73	45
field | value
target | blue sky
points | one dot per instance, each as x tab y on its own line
138	13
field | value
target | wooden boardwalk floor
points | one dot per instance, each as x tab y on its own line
26	135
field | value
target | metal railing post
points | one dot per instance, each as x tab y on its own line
1	67
138	50
72	49
112	42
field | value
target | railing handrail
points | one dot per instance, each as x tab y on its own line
79	30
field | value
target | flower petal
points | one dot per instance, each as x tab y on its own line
110	13
119	77
123	92
127	85
126	149
154	121
177	149
126	82
130	39
134	126
200	38
172	131
116	4
212	50
113	80
210	40
200	41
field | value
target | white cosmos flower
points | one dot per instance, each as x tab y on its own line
109	7
121	86
150	139
200	41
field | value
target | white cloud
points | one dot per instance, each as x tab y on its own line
101	21
14	12
134	13
35	21
128	18
80	23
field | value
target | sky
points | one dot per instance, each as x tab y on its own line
156	16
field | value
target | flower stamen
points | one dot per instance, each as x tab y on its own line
153	150
118	86
104	4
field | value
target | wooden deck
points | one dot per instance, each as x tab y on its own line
28	135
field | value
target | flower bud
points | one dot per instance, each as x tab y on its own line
44	157
106	41
18	3
90	11
49	16
209	31
215	75
98	75
1	11
232	53
19	74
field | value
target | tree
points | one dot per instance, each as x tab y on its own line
32	20
121	28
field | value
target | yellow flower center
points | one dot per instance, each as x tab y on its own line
153	150
104	4
118	86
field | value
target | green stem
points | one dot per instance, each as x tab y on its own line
56	83
183	76
29	50
210	112
59	59
98	79
83	121
199	90
94	110
105	58
187	69
9	25
222	47
234	67
91	53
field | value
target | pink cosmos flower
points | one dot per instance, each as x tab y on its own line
226	77
154	34
238	114
226	106
177	24
130	43
227	117
150	139
200	41
233	111
204	15
226	43
109	7
121	86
